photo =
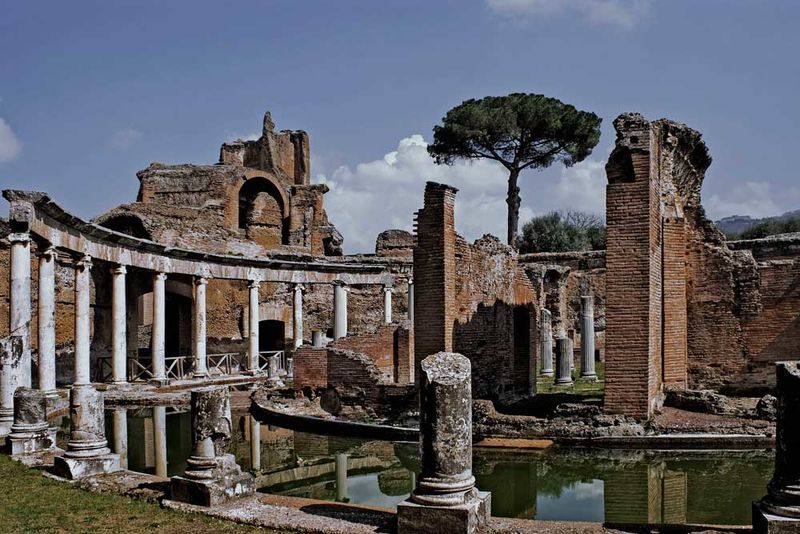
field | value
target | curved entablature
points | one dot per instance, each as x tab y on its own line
36	213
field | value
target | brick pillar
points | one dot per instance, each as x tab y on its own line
434	273
633	272
674	302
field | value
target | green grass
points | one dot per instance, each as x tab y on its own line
544	385
29	502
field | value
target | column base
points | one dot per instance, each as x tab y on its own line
470	517
588	378
765	522
118	385
75	468
563	382
227	482
547	373
159	382
33	441
201	375
5	425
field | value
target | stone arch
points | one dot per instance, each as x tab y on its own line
263	211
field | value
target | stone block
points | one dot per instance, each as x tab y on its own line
471	517
767	523
227	482
75	468
27	443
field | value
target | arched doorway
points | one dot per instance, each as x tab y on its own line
261	212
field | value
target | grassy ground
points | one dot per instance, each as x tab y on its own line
544	385
29	502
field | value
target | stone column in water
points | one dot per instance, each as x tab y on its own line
252	345
547	343
212	476
387	304
200	357
157	339
339	310
30	432
445	498
87	449
587	338
160	439
119	327
255	444
779	511
119	419
297	317
83	340
563	361
47	322
341	477
11	350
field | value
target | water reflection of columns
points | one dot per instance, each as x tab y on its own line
341	477
255	444
119	418
160	439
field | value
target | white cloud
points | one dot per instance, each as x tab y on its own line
750	198
381	194
122	139
622	13
10	146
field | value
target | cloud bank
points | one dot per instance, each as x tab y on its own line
10	146
377	195
621	13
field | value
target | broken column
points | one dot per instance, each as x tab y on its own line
587	338
11	349
87	451
563	361
445	498
212	475
30	432
779	511
316	339
547	343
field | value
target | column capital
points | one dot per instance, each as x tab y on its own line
19	237
200	280
339	283
84	263
253	284
159	276
388	289
299	287
47	252
119	269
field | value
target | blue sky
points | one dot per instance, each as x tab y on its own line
91	92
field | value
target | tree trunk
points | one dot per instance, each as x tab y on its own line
513	200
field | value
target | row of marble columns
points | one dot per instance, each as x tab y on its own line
20	321
564	350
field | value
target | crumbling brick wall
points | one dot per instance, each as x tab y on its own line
388	348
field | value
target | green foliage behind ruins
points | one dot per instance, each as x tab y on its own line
558	231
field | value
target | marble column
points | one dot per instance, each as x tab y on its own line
339	310
252	346
20	305
119	420
11	349
160	439
83	284
341	477
546	343
119	327
387	304
158	335
212	476
30	432
563	361
87	449
411	300
445	488
587	338
200	356
297	318
255	444
316	338
47	322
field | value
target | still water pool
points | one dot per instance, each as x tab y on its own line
558	484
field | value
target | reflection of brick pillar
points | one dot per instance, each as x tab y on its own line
434	273
633	272
674	265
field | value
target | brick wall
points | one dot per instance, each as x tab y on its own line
674	302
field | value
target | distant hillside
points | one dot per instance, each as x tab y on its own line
736	224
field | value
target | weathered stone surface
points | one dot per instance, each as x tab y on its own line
563	361
767	408
30	432
394	243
